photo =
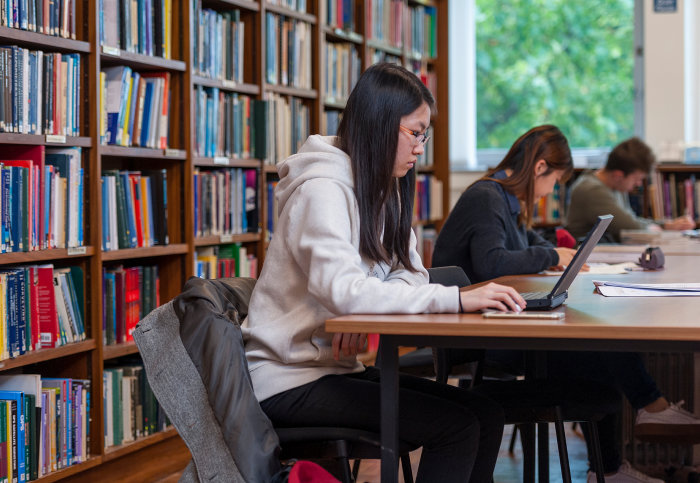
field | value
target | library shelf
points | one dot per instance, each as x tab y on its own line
45	139
34	39
226	85
389	49
425	169
118	350
332	103
46	255
344	35
226	162
288	12
411	55
677	168
71	470
269	169
425	3
145	252
292	91
136	152
114	452
204	241
43	355
112	56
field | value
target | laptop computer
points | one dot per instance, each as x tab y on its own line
549	300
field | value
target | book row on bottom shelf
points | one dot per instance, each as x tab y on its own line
225	261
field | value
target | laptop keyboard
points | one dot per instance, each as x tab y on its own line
534	295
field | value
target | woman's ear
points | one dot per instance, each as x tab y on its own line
541	167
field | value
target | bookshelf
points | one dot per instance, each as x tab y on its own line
186	86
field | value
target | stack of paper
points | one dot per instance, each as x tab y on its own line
622	289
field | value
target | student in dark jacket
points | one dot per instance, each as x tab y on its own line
488	234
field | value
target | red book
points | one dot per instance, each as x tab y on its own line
33	274
132	301
136	197
47	314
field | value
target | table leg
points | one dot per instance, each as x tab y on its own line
389	402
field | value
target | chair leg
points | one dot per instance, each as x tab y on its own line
597	456
561	445
543	452
406	468
356	469
513	437
527	438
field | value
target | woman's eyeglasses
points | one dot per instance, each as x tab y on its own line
420	137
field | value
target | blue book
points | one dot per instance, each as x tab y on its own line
5	179
18	398
23	305
146	120
271	57
130	215
12	316
16	212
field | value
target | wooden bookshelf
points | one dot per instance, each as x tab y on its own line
147	457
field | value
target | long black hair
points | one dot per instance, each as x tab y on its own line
368	133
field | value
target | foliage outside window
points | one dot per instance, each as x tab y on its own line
561	62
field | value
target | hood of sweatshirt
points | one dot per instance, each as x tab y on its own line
318	158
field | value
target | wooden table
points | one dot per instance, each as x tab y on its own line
592	322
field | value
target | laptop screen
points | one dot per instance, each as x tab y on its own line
582	255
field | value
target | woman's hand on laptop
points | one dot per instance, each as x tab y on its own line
491	296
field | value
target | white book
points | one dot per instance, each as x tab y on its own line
127	409
63	317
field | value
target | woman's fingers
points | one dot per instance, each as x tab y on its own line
349	344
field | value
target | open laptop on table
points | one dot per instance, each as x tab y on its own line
549	300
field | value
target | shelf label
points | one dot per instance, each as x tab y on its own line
221	160
228	83
171	152
226	238
77	251
56	138
106	49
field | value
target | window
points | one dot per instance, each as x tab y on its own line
533	62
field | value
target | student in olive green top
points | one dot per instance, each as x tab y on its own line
606	191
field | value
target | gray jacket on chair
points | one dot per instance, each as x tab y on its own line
194	359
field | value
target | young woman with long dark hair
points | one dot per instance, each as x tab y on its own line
343	244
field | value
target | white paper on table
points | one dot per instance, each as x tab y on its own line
622	289
601	269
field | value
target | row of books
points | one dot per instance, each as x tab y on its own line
343	69
134	107
50	17
44	425
138	26
129	295
225	202
288	121
425	243
41	198
134	209
425	74
272	208
341	14
229	124
39	92
288	51
428	204
378	55
131	410
298	5
421	38
671	195
218	44
550	209
40	307
225	261
384	21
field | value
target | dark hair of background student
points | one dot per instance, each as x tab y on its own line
542	142
629	156
368	133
